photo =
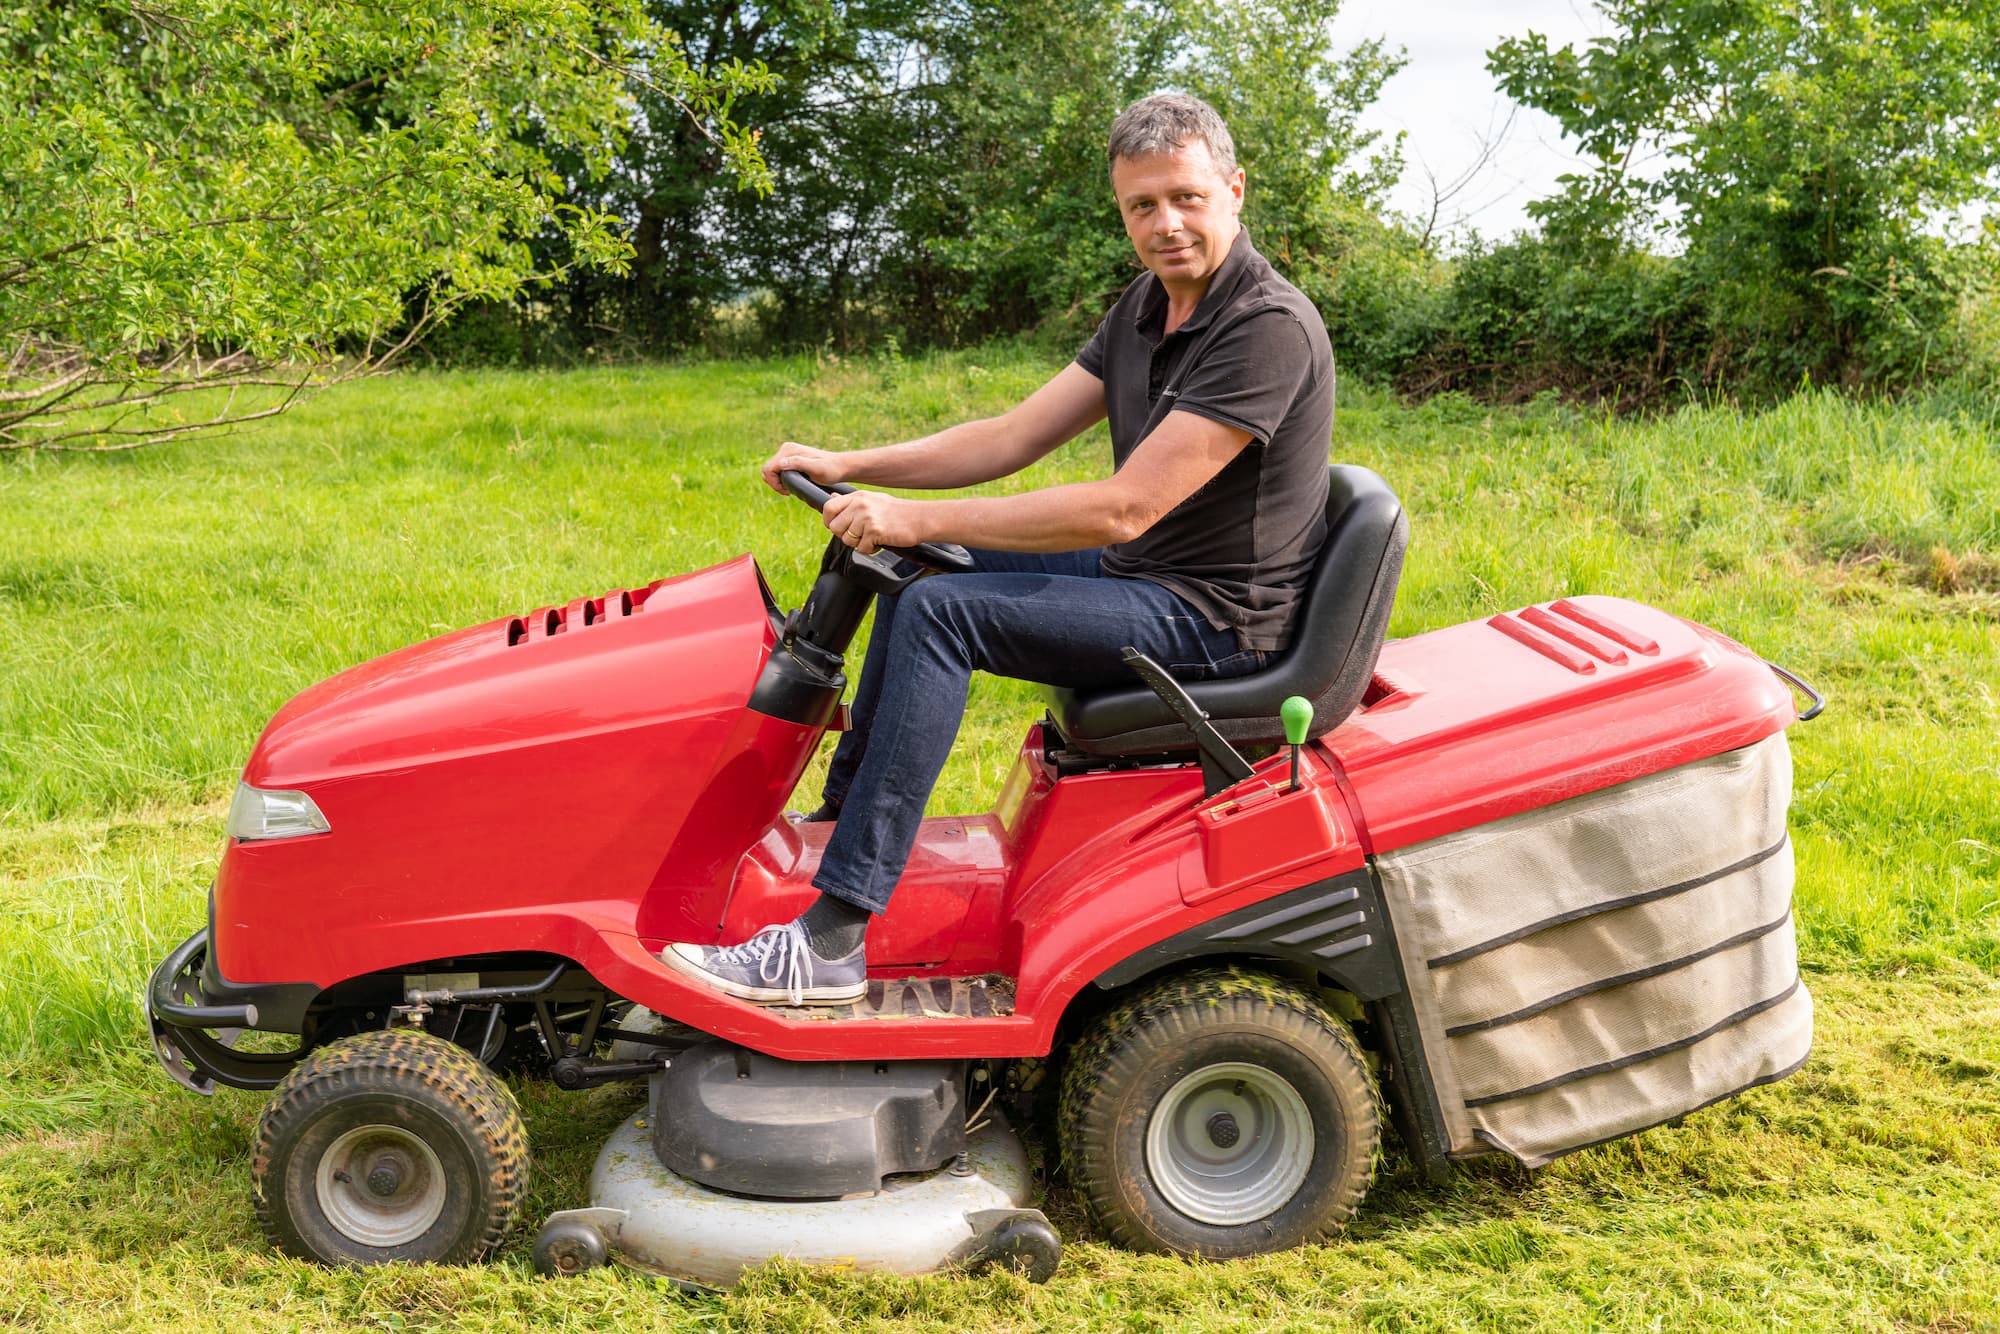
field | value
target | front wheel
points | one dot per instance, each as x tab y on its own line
389	1146
1221	1113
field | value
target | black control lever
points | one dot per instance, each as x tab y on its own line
1219	758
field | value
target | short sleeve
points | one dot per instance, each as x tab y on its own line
1250	376
1092	356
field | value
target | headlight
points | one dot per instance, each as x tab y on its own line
256	813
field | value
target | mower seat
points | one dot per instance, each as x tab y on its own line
1335	642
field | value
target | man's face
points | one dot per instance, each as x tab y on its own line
1179	210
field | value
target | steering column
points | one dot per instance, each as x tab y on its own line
803	680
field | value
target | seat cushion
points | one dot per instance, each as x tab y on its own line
1335	642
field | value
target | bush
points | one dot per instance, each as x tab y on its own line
1808	158
1522	317
1615	323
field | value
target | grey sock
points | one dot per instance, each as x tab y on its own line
834	927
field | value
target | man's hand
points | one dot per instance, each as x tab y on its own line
822	466
869	521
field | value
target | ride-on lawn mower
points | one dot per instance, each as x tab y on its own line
1527	876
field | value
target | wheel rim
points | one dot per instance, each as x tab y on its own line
380	1186
1229	1144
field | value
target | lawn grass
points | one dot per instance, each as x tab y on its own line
160	605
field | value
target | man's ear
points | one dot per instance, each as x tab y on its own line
1236	184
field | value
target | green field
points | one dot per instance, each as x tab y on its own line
159	606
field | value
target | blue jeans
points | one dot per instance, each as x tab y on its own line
1054	618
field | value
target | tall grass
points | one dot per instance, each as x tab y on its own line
158	607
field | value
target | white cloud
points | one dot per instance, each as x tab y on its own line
1446	103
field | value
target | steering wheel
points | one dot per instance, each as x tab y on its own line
944	557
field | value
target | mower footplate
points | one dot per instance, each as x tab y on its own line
984	997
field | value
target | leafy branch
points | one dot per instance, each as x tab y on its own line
212	213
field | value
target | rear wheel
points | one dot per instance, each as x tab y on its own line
389	1146
1221	1113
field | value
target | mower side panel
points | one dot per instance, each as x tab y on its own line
1151	869
1103	866
1487	719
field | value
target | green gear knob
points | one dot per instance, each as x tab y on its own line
1298	715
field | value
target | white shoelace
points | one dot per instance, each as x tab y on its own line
783	957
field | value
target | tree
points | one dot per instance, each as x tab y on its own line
1011	223
199	197
675	189
842	133
943	166
1317	181
1811	154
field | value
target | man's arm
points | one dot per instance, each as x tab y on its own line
964	455
1169	465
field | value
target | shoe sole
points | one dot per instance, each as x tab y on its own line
841	995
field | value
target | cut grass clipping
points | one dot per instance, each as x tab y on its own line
160	606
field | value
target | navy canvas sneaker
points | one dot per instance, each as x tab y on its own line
775	965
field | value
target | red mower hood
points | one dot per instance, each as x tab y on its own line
677	646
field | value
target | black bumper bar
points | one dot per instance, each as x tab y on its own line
163	995
195	1015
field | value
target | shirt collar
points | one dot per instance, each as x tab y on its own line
1152	313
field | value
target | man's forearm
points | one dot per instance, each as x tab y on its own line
970	453
1056	518
1171	464
962	455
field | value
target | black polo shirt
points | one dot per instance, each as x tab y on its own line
1254	355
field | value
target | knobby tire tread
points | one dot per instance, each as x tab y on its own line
1114	1054
379	1061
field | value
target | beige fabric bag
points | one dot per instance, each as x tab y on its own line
1613	961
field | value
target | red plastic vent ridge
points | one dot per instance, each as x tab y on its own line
1387	688
1555	650
1592	619
1575	635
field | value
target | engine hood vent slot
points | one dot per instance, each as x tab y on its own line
549	622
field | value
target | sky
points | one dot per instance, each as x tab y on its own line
1446	103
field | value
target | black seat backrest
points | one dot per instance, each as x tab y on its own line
1335	642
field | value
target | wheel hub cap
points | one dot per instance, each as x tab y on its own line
380	1186
1229	1144
385	1178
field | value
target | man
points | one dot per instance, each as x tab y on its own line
1218	381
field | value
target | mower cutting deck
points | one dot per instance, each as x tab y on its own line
1531	869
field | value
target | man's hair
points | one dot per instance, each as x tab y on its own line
1164	122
